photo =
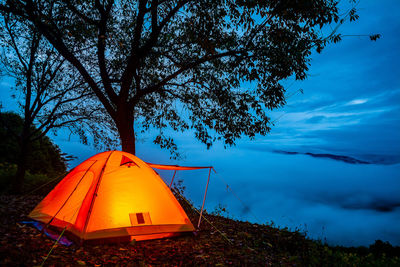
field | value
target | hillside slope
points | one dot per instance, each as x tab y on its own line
238	243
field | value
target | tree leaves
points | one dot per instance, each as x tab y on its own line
375	37
210	65
353	15
336	38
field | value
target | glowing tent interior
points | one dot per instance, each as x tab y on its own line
114	196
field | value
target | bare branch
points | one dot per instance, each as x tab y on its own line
129	71
80	14
44	86
55	38
184	68
28	95
101	42
14	44
51	118
156	30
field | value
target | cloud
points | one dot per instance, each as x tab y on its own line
357	102
365	128
315	119
349	112
348	204
5	84
357	199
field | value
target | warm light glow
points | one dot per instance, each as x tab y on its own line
122	190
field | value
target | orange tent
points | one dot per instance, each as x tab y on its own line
114	196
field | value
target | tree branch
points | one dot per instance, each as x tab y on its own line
132	62
80	14
146	48
43	86
14	45
101	42
156	30
32	57
56	40
184	68
51	118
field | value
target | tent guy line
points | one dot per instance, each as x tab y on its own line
119	197
86	204
123	166
113	197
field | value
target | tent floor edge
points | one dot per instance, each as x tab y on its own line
79	241
115	203
129	239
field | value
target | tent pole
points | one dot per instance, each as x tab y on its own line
204	199
65	202
94	197
172	179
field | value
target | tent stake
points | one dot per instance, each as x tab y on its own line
204	199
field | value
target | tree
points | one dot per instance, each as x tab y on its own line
52	94
214	66
46	158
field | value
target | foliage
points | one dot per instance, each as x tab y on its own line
221	210
45	159
48	90
50	93
214	67
33	181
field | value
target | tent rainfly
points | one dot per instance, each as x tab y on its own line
114	197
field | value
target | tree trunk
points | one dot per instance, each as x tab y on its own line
20	175
128	140
22	162
126	132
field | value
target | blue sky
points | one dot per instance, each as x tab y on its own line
352	96
350	107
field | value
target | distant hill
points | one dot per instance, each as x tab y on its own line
362	159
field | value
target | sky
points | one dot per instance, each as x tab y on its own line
330	166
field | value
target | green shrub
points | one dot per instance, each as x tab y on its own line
45	156
32	181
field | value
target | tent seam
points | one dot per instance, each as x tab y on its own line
94	196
